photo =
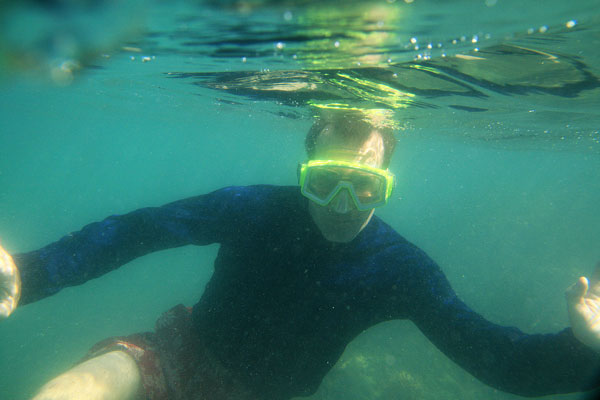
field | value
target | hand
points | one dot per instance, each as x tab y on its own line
583	302
10	284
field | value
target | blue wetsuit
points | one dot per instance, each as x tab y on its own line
283	302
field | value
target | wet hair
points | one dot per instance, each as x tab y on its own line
355	127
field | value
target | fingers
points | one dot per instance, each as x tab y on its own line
577	291
584	286
9	297
10	284
7	306
8	273
7	265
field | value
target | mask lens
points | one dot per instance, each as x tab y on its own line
368	187
322	181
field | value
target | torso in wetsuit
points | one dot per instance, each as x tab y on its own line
283	302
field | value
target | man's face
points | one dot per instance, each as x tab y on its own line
340	221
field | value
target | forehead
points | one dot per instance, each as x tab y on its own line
334	145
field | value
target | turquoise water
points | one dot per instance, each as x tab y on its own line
503	196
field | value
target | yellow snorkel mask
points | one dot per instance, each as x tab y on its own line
322	180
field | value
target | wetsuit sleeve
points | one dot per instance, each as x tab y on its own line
502	357
103	246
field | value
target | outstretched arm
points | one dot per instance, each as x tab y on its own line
103	246
502	357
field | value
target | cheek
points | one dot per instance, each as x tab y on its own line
352	220
365	217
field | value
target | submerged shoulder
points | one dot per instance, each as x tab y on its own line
258	194
260	203
252	197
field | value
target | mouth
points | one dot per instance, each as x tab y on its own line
340	220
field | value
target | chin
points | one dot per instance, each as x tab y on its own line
336	227
341	231
339	237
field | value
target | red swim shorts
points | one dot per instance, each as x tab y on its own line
173	362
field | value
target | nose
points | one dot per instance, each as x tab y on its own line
342	203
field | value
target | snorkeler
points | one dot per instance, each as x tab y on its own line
301	271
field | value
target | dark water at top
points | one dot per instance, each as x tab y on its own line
480	63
